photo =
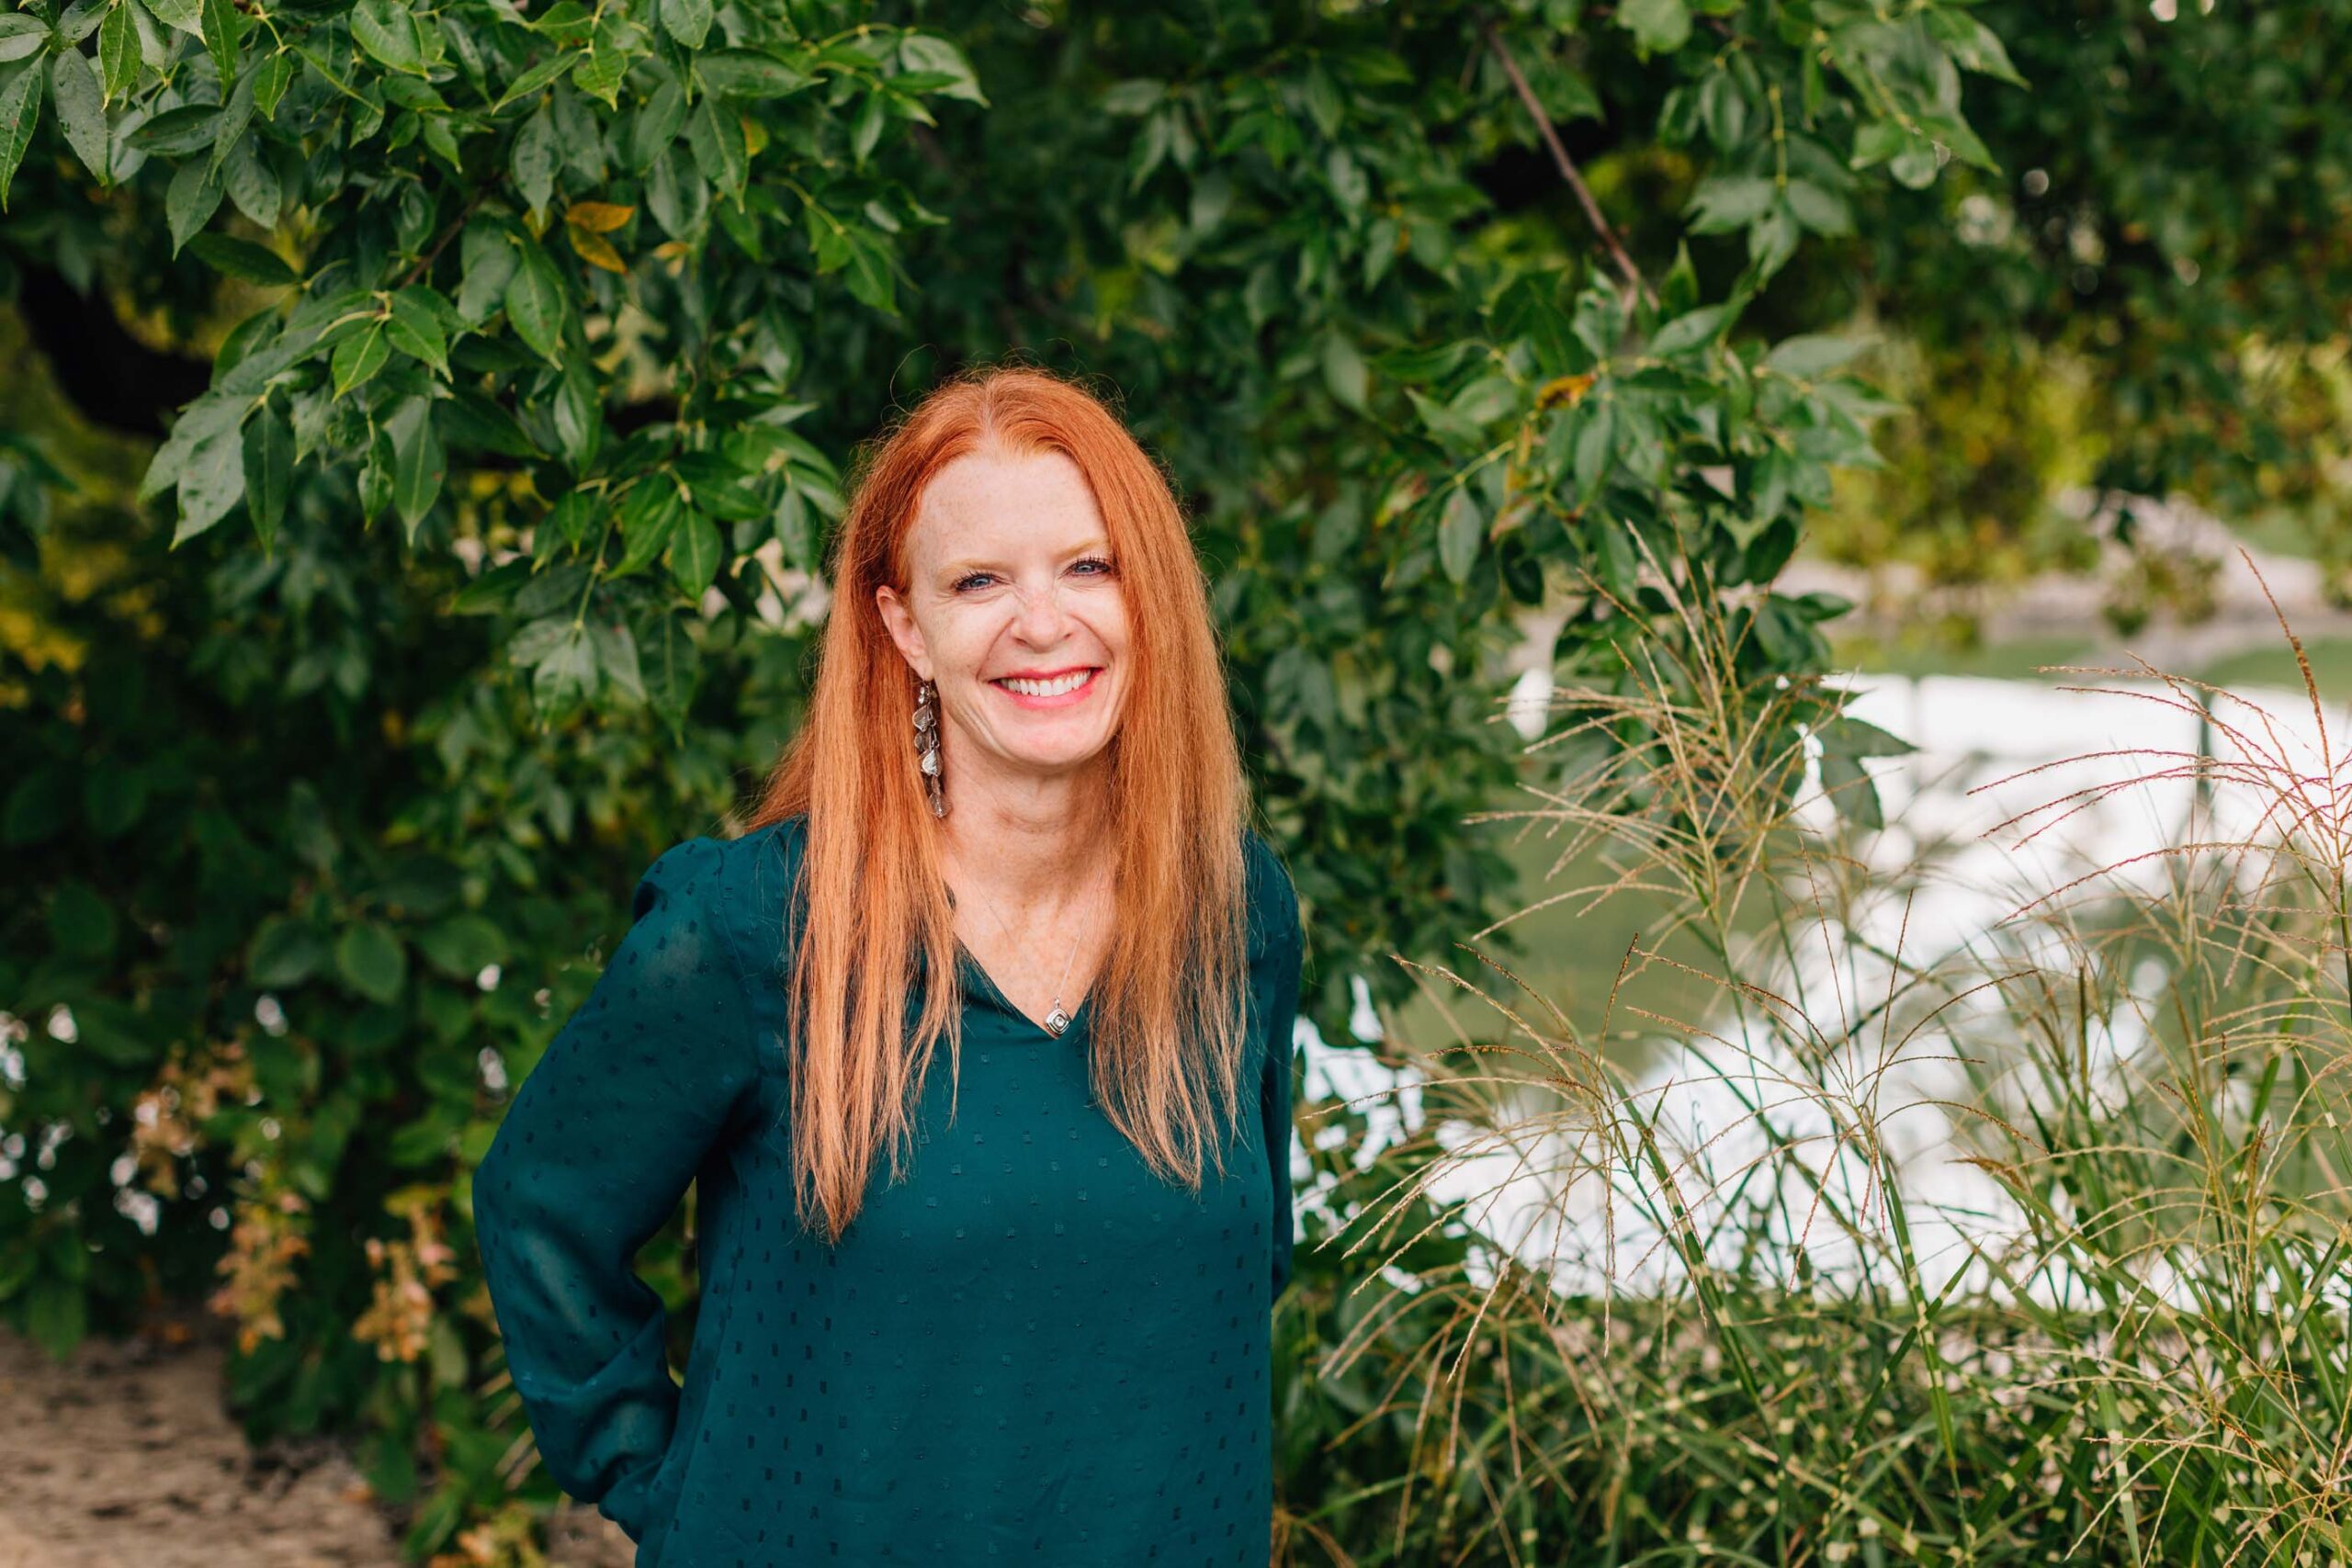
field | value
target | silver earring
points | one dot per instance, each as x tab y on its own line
927	744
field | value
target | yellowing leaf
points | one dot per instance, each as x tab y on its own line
597	251
597	217
1563	391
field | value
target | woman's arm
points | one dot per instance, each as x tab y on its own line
1278	983
596	1149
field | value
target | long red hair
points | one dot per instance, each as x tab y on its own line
1167	1021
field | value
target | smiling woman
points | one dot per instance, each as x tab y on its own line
1043	1335
1014	610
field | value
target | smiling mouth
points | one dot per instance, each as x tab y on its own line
1068	684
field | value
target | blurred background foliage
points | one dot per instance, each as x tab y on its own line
426	424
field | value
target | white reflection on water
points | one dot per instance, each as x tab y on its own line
1942	805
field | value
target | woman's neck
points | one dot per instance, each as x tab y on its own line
1030	846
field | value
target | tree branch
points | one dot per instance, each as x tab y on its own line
1567	164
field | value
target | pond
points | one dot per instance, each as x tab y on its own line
1948	876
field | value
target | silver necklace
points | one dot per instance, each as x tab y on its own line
1057	1020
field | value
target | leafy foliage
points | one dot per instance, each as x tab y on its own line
314	809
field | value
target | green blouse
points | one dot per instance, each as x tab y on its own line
1030	1350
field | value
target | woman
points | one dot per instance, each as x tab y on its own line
1041	1336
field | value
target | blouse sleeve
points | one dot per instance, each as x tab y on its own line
596	1150
1277	984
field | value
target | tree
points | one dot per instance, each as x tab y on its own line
575	298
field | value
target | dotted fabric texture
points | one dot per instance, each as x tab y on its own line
1030	1349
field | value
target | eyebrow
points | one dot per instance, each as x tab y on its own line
971	564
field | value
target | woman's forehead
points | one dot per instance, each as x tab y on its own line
1009	503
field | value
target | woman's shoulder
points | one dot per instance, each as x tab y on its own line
1273	897
757	878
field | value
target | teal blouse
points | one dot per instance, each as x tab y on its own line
1032	1349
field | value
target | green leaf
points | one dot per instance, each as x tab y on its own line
191	201
1660	27
1724	202
490	259
21	36
1596	446
870	278
688	21
568	674
1821	210
655	125
1485	401
649	516
359	356
478	424
598	73
671	659
178	132
242	258
1139	96
418	466
185	16
20	113
1459	532
616	657
537	77
694	551
535	303
81	107
212	480
426	1141
1772	240
414	326
81	922
251	183
57	1314
236	115
1852	791
535	157
118	51
1972	45
1846	735
1684	333
284	952
1343	371
268	469
370	961
222	28
376	477
1811	354
462	946
717	137
926	52
388	31
271	79
748	74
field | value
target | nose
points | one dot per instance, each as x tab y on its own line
1040	618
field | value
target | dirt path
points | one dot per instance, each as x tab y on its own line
124	1458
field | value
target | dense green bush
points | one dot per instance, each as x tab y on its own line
413	495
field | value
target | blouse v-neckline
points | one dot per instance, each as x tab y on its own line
1079	1014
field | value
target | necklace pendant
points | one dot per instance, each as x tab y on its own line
1056	1021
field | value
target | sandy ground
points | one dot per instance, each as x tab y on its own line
123	1457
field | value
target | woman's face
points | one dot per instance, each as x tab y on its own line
1011	580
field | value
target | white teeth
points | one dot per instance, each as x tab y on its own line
1053	688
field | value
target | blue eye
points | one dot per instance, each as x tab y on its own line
967	581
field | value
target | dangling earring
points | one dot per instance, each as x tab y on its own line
927	744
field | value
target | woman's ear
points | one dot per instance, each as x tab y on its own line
900	623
